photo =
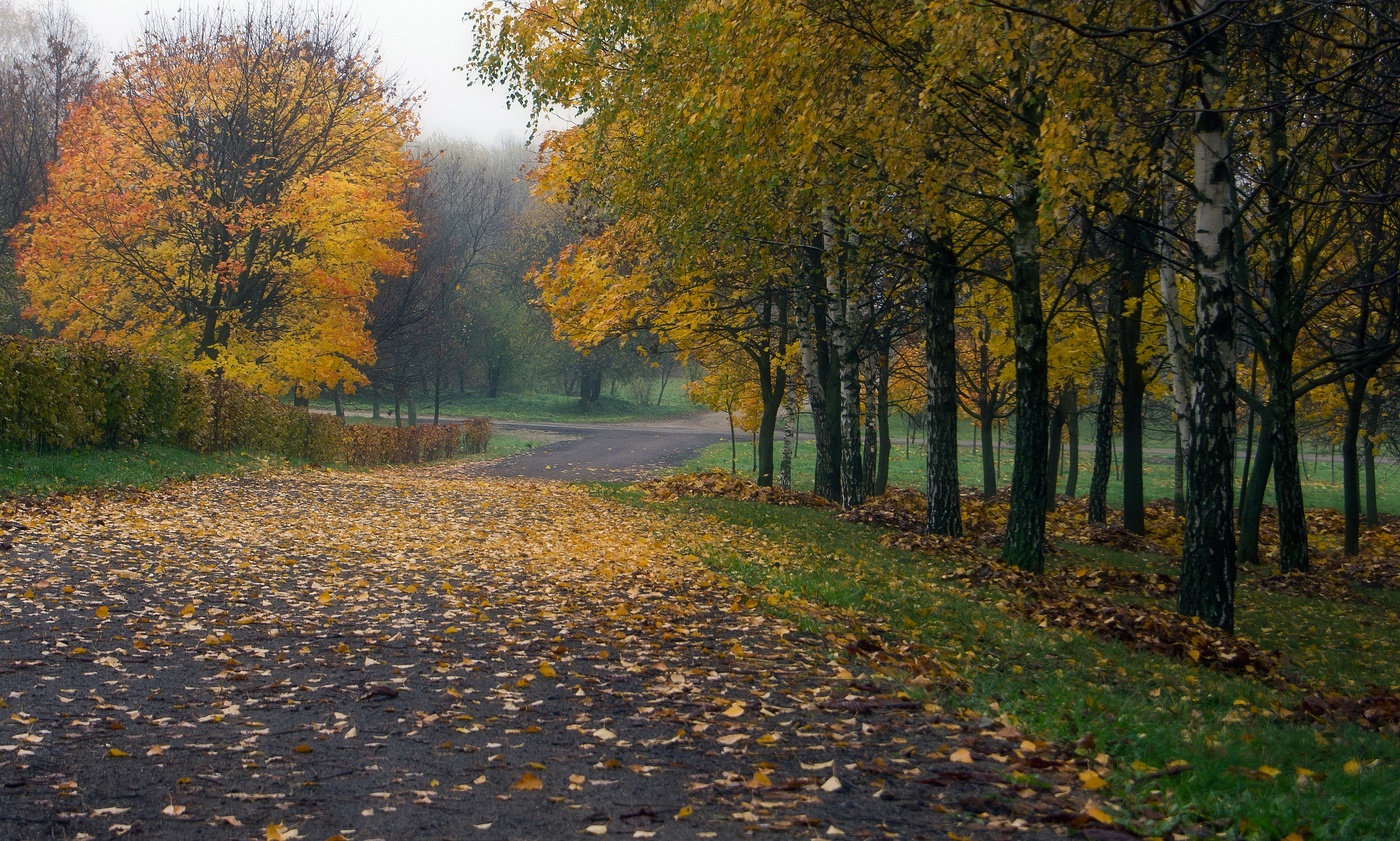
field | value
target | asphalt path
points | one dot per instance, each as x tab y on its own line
607	452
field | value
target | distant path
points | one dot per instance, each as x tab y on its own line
603	452
609	452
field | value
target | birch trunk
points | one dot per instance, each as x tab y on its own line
846	353
1208	553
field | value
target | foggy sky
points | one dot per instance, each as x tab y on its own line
421	40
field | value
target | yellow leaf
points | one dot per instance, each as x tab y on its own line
102	612
1352	768
1098	814
117	753
324	598
1268	771
961	755
1092	780
547	670
528	782
685	812
735	710
302	748
187	610
280	832
760	780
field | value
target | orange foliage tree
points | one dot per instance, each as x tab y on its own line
229	197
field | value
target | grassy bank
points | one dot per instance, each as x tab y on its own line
26	474
1184	742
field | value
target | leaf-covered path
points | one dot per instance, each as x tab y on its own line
426	654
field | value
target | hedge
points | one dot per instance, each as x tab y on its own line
64	395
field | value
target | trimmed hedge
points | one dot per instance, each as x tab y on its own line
64	395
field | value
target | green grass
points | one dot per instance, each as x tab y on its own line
1138	707
27	474
1321	485
41	474
537	407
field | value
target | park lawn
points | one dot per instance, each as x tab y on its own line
1251	767
1322	486
29	474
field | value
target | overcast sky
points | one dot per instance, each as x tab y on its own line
422	40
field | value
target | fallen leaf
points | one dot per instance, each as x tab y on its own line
961	755
528	782
1092	780
832	784
102	612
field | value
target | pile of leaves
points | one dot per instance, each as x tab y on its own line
1378	709
1058	600
718	484
1148	628
1113	579
1328	583
901	509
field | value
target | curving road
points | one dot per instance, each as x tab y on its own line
608	452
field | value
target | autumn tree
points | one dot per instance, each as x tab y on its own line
229	197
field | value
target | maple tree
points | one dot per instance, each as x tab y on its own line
229	196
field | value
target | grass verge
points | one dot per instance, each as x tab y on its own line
1186	743
27	474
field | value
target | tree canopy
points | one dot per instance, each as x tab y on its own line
230	196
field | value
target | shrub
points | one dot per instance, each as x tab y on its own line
68	395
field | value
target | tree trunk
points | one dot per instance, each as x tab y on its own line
823	392
768	423
1373	422
940	351
338	395
1071	399
870	452
1179	475
1055	452
1288	485
1024	546
1134	388
1252	501
1207	584
1103	429
846	353
988	420
790	419
1354	388
882	418
437	396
